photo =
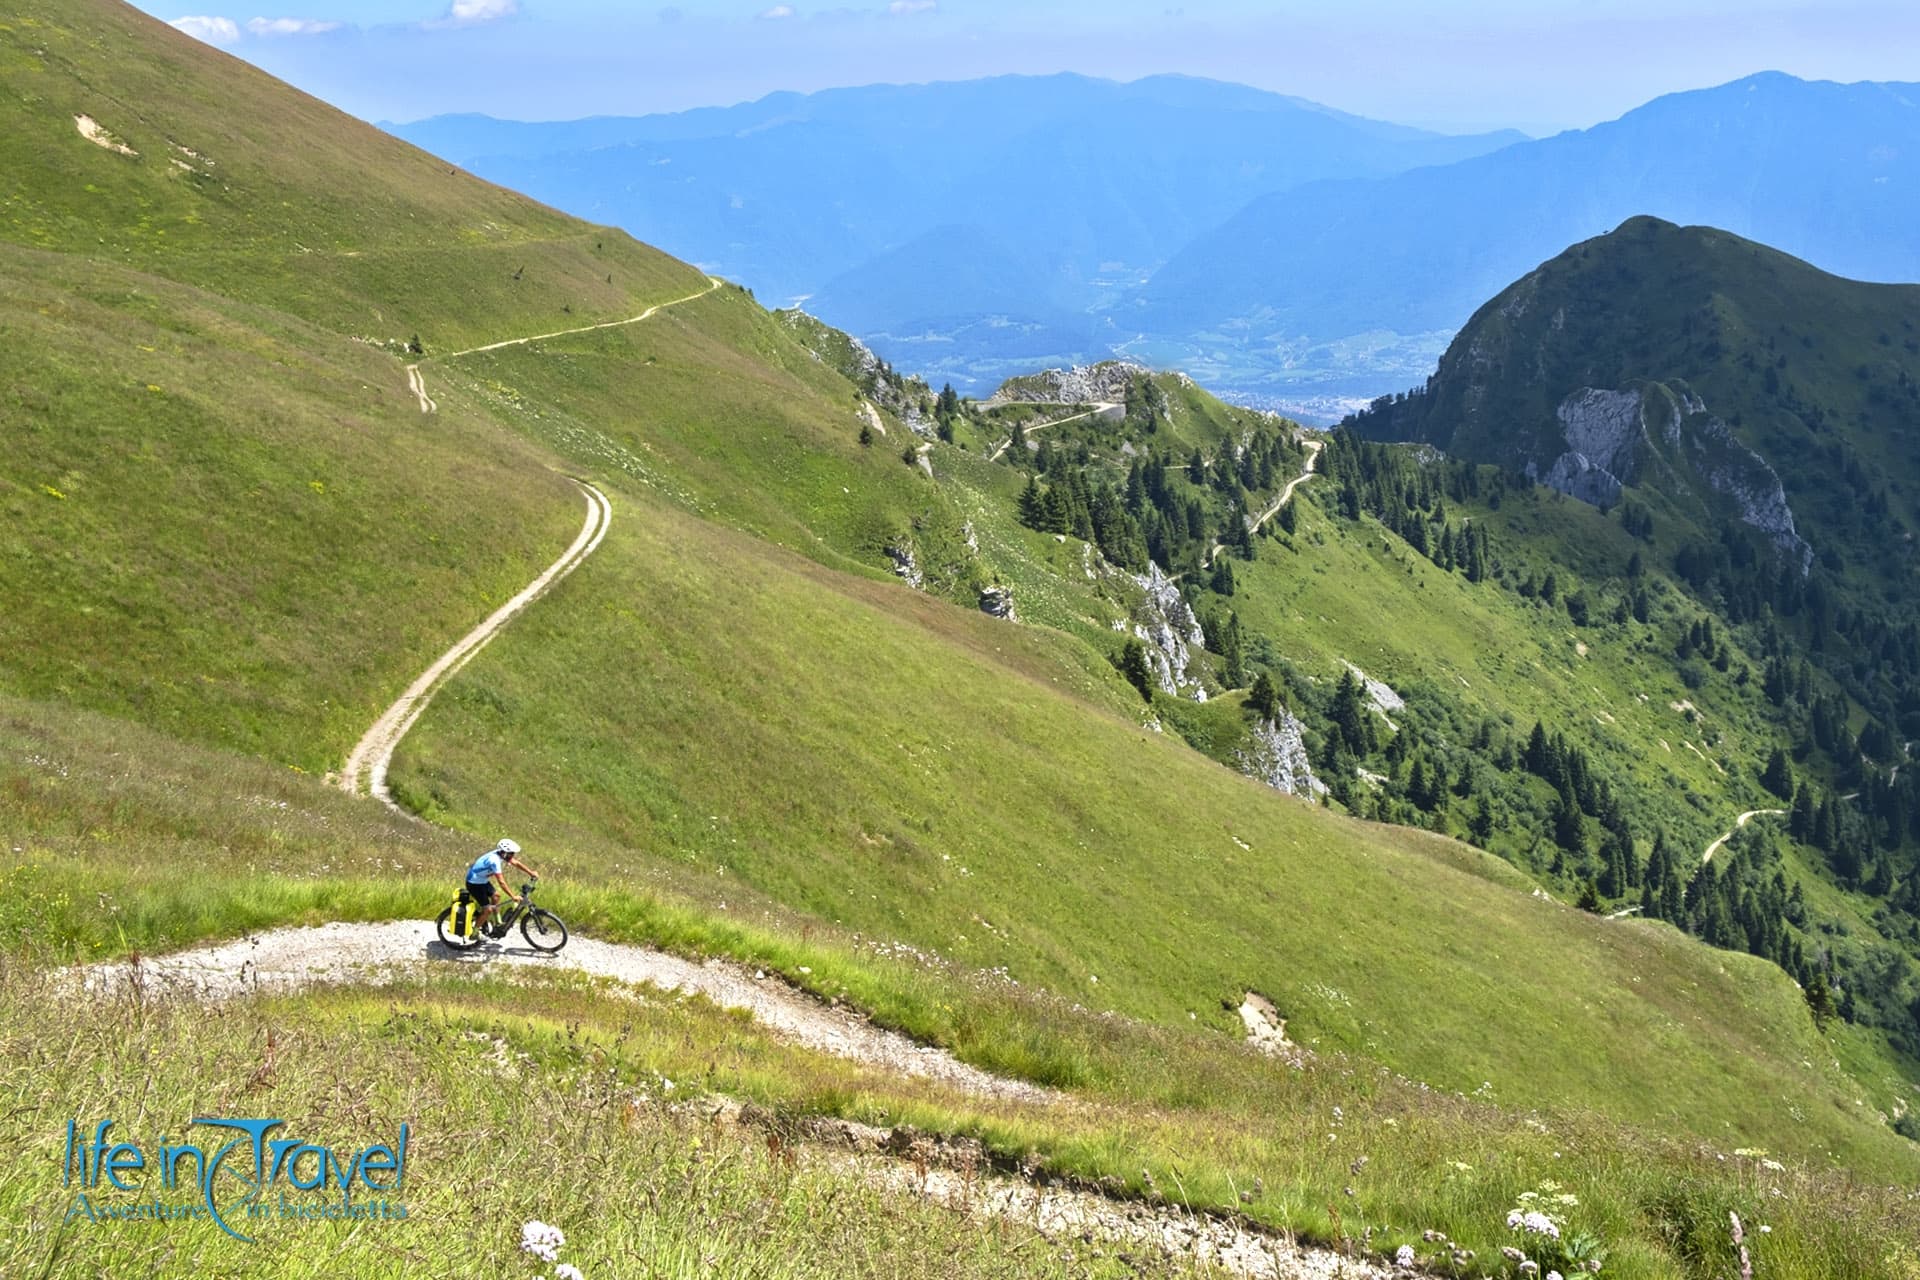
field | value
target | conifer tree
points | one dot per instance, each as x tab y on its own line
1221	580
1778	775
1263	699
1233	669
1133	665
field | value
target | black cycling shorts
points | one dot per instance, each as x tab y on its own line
482	893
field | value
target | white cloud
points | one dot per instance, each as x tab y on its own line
289	27
777	12
210	30
475	12
901	8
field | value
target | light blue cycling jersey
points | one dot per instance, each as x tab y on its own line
486	865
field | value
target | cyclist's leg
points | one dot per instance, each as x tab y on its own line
484	895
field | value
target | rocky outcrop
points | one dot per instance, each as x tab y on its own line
1602	429
1277	756
1380	694
882	384
1103	383
1166	626
1267	1030
1612	437
1733	470
998	602
903	564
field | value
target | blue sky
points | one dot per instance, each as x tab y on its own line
1538	65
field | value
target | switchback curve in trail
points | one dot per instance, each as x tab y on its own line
417	381
1307	473
372	755
1738	823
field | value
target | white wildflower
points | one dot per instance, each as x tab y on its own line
541	1240
1533	1222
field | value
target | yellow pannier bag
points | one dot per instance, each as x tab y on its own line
464	914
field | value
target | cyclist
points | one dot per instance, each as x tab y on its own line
489	867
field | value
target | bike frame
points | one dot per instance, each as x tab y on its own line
509	915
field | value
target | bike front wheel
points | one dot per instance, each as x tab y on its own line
443	925
543	930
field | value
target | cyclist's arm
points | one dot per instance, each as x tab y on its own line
515	862
505	887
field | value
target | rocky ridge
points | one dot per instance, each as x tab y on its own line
1106	382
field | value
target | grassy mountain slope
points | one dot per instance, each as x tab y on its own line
1803	365
824	752
205	525
380	241
1746	417
116	807
732	731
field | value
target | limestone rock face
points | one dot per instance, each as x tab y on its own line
1379	693
1615	438
1601	428
905	565
1103	383
1731	468
997	602
1166	627
1277	756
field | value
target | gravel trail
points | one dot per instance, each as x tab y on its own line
1286	495
372	755
1738	823
1100	407
289	959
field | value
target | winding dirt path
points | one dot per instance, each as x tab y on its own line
338	954
1285	496
1307	473
1218	1246
417	381
372	755
333	954
1099	406
1738	823
713	282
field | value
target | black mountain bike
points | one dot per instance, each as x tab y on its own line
543	930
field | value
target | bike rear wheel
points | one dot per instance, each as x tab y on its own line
443	925
543	930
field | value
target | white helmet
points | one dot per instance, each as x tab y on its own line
507	847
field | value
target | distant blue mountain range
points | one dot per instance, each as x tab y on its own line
1277	249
